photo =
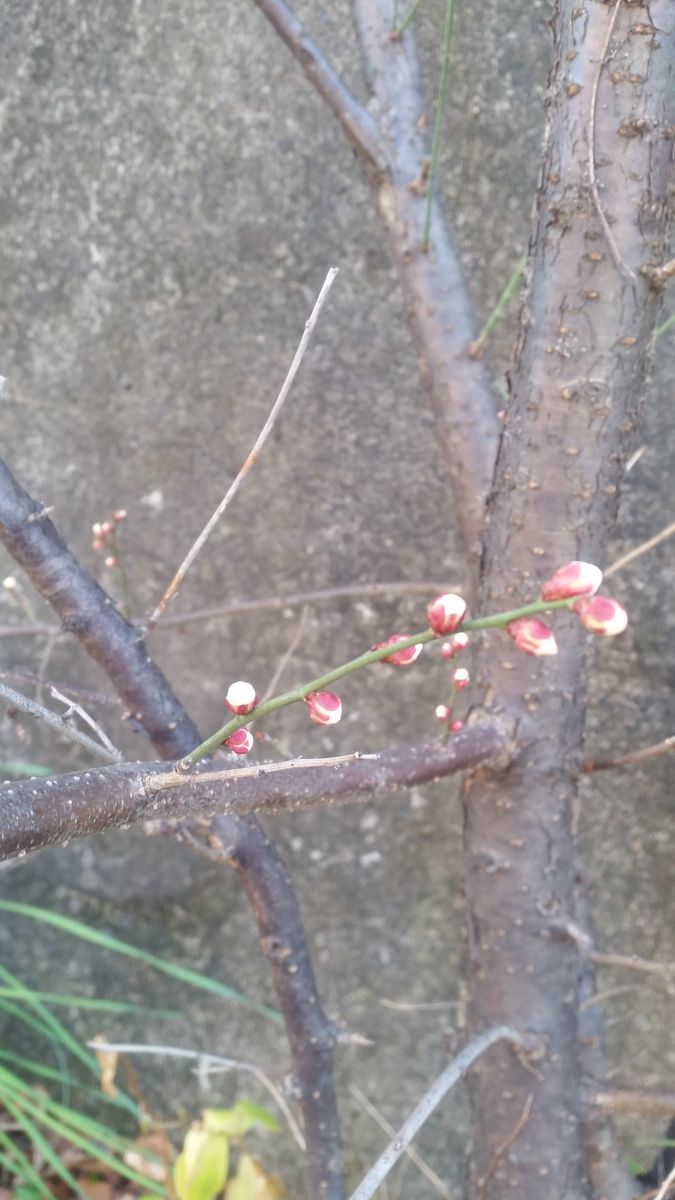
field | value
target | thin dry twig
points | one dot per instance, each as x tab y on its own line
629	962
503	1146
630	760
623	1100
251	457
72	706
664	1190
435	1180
625	559
451	1075
209	1064
287	655
57	722
592	178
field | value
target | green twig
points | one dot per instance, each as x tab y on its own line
497	621
661	329
476	348
438	121
398	30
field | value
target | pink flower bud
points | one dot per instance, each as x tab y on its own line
241	697
574	579
443	713
111	561
324	707
532	636
455	726
457	643
240	741
601	615
400	658
96	529
446	613
461	678
107	528
120	515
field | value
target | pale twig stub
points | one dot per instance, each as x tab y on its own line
251	456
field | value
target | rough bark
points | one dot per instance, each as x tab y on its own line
40	812
575	394
119	649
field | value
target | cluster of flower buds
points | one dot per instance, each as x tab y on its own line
578	581
105	536
324	708
457	643
399	658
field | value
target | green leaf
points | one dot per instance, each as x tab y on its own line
86	1002
236	1121
107	942
200	1170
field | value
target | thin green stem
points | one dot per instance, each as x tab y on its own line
661	329
498	310
399	30
498	621
438	120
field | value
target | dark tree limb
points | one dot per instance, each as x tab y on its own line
40	812
575	395
434	287
87	612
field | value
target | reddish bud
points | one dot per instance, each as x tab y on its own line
532	636
446	613
240	741
325	708
241	697
601	615
455	726
400	658
459	642
443	713
107	528
111	561
461	678
574	579
120	515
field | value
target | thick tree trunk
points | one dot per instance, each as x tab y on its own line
576	389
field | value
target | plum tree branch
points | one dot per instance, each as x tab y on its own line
40	812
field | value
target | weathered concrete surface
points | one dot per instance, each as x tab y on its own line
174	193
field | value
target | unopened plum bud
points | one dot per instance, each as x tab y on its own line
96	529
240	742
120	514
446	613
111	561
461	678
455	726
400	658
601	615
574	579
9	583
325	708
460	641
532	636
241	697
107	528
443	713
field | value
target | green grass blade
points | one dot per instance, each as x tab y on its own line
37	1139
86	1002
107	942
25	1170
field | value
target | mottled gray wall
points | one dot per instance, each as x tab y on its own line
173	193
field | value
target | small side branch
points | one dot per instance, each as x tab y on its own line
356	121
60	723
410	1128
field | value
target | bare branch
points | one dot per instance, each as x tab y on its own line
39	812
631	759
252	456
59	722
637	551
410	1128
356	121
626	1100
